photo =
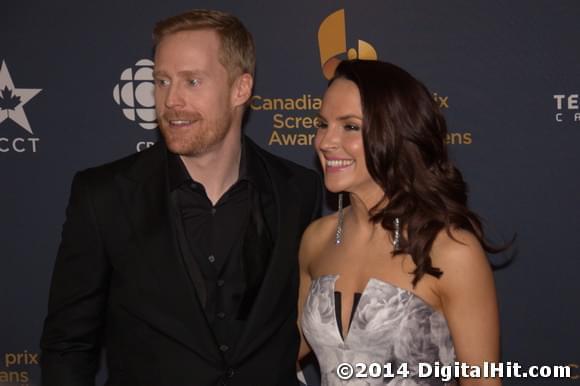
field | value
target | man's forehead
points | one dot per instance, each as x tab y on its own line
205	35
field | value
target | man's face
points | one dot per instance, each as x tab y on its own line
194	98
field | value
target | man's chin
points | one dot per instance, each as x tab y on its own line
176	144
186	150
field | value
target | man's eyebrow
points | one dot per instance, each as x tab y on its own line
159	73
190	74
183	74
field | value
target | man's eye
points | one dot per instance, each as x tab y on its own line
161	82
193	82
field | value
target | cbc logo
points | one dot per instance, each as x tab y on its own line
134	93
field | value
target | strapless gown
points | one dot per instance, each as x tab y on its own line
388	325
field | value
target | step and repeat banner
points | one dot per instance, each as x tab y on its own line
76	91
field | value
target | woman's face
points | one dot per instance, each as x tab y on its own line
339	141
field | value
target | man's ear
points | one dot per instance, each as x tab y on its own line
242	89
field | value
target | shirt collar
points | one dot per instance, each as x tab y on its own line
251	168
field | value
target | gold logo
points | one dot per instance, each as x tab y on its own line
332	44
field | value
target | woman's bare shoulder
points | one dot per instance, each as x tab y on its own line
316	236
459	254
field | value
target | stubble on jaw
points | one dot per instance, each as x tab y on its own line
196	140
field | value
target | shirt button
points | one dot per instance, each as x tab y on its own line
224	348
221	315
211	258
213	210
220	283
230	373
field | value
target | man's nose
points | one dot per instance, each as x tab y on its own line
174	97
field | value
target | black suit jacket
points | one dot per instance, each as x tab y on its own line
120	281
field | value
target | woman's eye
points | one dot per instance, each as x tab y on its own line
320	124
350	127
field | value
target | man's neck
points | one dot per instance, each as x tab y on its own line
217	169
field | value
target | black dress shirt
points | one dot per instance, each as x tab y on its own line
230	241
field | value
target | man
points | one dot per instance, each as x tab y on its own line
181	259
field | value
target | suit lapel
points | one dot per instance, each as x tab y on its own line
282	268
169	301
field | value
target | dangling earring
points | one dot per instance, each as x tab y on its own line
338	236
397	234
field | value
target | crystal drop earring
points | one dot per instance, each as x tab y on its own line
338	236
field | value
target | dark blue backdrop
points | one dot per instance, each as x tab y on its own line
75	92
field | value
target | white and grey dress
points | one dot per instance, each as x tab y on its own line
389	325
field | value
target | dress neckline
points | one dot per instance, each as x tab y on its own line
338	310
336	276
372	281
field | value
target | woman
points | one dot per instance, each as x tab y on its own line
399	277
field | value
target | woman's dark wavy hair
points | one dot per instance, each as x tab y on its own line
404	136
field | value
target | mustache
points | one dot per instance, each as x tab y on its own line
181	116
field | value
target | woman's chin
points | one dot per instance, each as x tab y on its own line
334	188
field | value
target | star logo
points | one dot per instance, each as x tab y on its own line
12	100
